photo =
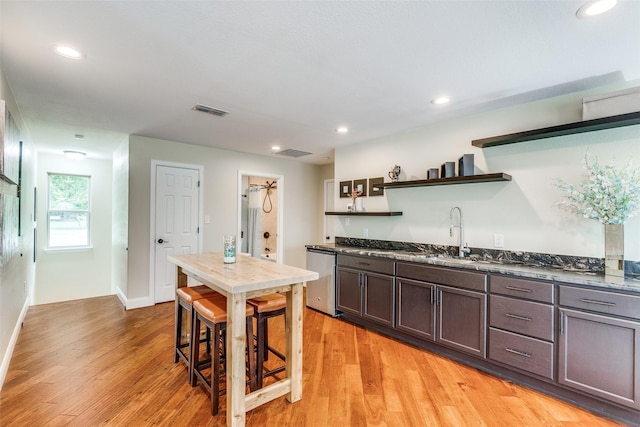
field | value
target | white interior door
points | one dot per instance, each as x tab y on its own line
176	218
329	220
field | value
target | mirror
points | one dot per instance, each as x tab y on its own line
260	197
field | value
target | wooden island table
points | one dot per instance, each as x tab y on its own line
251	277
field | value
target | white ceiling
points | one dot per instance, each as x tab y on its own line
290	72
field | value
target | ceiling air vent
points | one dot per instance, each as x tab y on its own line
293	153
210	110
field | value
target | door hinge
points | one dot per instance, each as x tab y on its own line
197	230
198	183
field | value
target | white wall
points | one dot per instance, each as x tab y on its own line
17	275
300	206
120	224
64	275
326	172
523	210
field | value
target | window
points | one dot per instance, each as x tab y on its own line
68	211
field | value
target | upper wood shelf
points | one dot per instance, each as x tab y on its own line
621	120
365	213
490	177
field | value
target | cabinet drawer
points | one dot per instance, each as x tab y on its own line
377	265
443	276
522	288
524	317
528	354
600	301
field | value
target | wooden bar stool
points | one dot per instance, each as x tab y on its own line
266	307
213	313
185	296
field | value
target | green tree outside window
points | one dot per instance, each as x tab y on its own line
69	210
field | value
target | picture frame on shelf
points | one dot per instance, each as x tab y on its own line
375	186
345	188
360	185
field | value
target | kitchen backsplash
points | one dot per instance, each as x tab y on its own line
530	259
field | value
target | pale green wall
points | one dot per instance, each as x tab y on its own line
523	210
300	206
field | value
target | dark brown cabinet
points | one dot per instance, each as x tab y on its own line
416	313
462	320
349	293
366	289
443	305
521	319
599	349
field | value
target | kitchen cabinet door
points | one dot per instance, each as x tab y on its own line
349	292
600	355
379	298
416	314
462	320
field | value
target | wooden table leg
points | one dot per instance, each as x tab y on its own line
236	344
293	332
181	280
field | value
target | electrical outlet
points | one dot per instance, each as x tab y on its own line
365	232
498	241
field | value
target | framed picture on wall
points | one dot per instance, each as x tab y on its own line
375	187
345	188
360	185
9	146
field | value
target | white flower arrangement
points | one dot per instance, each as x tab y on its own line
610	195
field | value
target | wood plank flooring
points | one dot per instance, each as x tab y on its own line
91	363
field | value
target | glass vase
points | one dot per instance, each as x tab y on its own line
614	253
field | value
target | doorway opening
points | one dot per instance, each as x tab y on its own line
260	215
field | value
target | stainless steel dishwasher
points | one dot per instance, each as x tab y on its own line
321	293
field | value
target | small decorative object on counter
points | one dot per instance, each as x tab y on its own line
465	165
432	173
395	173
610	195
448	170
229	249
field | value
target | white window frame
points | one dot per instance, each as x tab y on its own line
88	213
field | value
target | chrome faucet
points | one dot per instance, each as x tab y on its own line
462	248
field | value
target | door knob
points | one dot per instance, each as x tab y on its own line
162	241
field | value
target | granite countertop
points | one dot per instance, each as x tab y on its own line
565	274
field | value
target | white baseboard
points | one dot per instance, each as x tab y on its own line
121	296
6	358
132	303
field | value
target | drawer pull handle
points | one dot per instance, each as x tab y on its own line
519	353
363	263
515	288
515	316
592	301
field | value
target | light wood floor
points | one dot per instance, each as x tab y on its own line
89	363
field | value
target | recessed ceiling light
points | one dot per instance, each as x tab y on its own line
595	7
275	147
67	52
441	100
74	155
342	130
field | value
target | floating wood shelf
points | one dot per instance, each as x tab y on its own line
611	122
365	213
491	177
